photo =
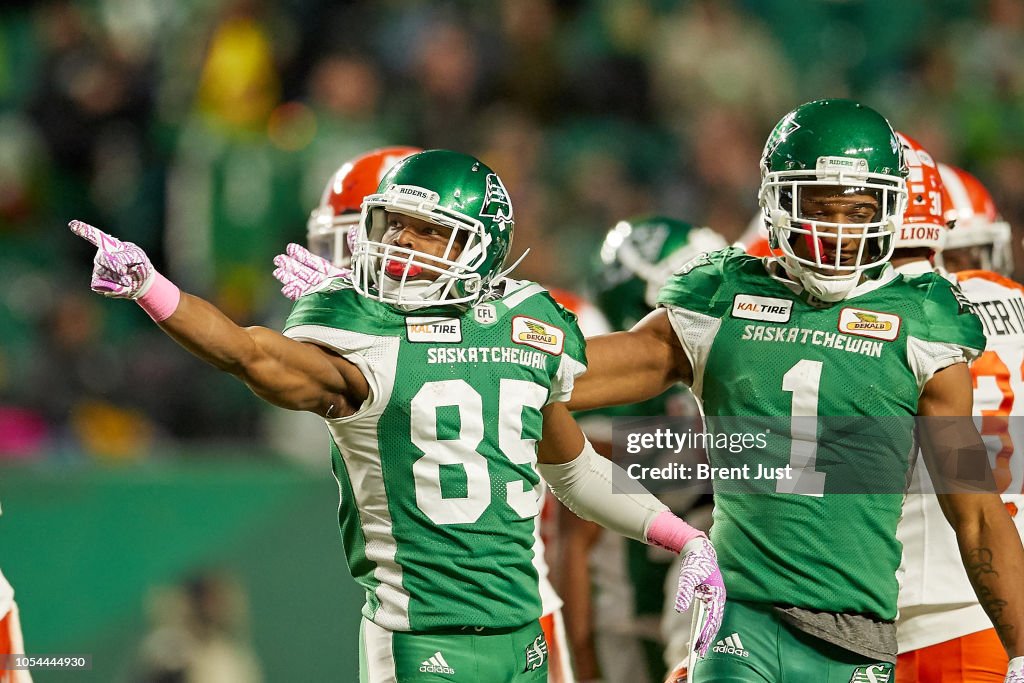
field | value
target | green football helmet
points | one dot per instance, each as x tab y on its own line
637	257
448	189
837	144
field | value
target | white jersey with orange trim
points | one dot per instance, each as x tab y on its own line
589	317
6	592
559	663
6	596
936	600
11	640
549	599
591	322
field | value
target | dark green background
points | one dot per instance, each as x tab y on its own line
82	546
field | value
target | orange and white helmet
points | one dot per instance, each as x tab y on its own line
978	223
925	220
340	205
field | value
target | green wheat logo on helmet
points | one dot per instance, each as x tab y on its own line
497	205
464	203
832	153
786	127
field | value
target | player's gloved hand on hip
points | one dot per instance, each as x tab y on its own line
700	578
1015	672
301	272
123	271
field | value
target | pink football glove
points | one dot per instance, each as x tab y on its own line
700	577
120	269
1015	672
301	272
123	271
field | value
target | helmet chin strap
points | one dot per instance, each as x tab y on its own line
413	293
829	290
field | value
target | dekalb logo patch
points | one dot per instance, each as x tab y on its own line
537	334
434	330
768	308
885	326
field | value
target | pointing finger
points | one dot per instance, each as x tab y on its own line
97	237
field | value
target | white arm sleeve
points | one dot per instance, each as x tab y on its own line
585	486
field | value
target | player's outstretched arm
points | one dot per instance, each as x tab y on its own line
629	367
283	371
600	491
989	543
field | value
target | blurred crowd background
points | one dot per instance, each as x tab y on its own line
204	130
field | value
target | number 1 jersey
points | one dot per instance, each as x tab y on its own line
833	390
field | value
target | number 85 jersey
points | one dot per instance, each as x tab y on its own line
834	389
437	468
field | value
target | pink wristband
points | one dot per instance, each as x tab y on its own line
671	533
161	300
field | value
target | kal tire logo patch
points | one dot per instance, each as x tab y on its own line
770	309
447	330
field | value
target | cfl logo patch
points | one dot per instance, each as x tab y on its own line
536	653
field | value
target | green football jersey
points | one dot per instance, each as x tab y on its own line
759	351
437	468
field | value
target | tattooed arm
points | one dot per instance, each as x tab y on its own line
991	550
958	462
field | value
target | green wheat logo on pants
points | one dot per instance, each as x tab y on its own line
876	673
536	653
